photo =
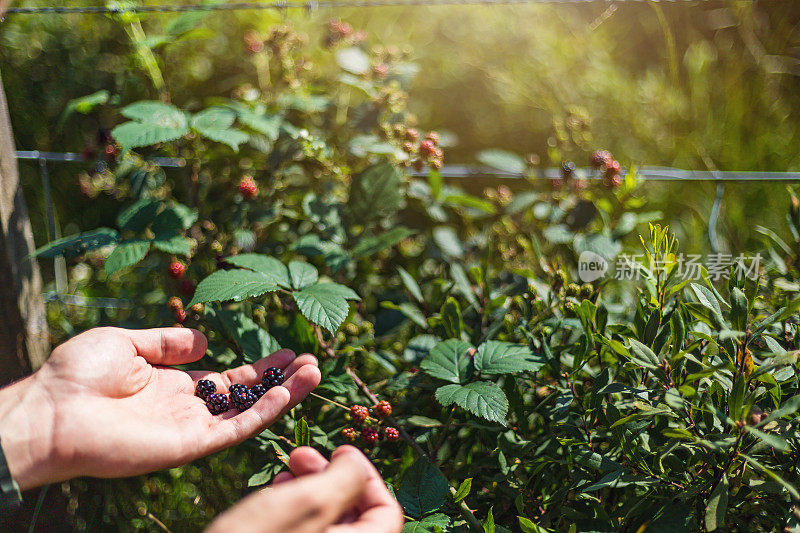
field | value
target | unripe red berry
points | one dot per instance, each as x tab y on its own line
392	435
411	135
197	308
408	147
612	167
176	269
370	435
381	70
359	414
350	434
433	137
175	303
248	187
598	158
427	148
180	315
419	164
383	409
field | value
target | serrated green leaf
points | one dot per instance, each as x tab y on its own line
175	244
267	125
236	285
302	274
266	265
424	489
137	134
138	216
301	434
375	192
215	123
449	361
432	523
79	243
125	254
481	398
463	490
154	112
495	357
323	304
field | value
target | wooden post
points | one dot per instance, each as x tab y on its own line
24	339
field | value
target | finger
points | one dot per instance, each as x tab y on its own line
303	381
167	346
306	460
251	374
282	477
308	504
380	512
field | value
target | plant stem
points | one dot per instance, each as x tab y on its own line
337	404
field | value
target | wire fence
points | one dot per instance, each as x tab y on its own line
313	5
455	172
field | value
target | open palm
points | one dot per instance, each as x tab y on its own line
119	410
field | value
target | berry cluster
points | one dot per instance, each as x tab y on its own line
248	188
371	429
610	167
239	396
420	152
176	305
342	32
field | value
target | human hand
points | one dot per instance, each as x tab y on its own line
105	405
345	495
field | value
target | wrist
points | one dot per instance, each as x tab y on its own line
26	430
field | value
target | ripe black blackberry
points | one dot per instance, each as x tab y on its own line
258	390
217	403
272	377
205	388
243	400
237	388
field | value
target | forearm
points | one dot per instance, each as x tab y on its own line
26	433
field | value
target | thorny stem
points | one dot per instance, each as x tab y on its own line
466	512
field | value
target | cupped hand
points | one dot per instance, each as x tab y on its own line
343	495
107	404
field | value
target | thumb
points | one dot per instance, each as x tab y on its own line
168	346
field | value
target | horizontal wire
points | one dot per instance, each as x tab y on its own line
652	173
238	6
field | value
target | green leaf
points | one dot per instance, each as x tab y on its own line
266	265
451	318
488	524
432	523
175	244
643	355
215	123
495	357
125	254
267	125
83	105
738	309
462	283
775	477
324	304
707	299
481	398
301	434
254	341
774	441
424	489
302	274
236	285
411	284
449	361
375	192
138	216
152	122
463	490
502	160
372	245
79	243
